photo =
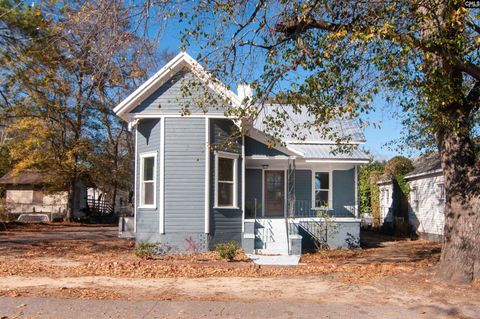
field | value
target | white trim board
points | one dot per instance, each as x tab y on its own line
244	164
431	172
207	175
162	177
135	180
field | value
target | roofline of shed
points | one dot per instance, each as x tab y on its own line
431	172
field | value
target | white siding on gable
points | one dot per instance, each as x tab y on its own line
172	96
426	211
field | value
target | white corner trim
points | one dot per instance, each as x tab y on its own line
207	175
135	181
243	183
162	177
142	156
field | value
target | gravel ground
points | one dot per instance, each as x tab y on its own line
87	309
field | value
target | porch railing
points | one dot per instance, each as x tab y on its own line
304	209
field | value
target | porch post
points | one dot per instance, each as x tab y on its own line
243	183
357	213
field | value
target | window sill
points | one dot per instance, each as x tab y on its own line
147	207
226	207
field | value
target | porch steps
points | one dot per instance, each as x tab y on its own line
271	237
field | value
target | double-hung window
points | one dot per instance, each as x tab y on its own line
148	163
440	192
322	189
226	173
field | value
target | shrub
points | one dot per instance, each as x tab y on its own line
227	250
145	250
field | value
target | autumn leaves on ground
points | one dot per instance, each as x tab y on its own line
90	262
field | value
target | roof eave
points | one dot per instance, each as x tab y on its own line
430	172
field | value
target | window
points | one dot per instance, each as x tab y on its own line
147	182
440	192
322	189
226	167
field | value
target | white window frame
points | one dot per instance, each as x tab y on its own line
233	157
330	190
141	200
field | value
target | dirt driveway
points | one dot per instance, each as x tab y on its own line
389	277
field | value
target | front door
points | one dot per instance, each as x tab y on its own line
274	193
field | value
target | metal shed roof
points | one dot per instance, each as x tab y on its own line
327	151
347	129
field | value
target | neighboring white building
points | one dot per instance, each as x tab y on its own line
427	197
26	194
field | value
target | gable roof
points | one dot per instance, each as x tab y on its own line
316	146
24	177
425	165
347	129
182	61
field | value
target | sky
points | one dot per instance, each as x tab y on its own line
376	138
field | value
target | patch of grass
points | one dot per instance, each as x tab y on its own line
227	250
145	250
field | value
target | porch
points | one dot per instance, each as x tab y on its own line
292	204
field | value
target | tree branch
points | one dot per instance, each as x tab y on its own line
473	98
295	26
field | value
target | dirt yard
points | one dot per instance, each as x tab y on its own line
91	263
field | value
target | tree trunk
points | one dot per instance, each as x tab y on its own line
460	258
71	201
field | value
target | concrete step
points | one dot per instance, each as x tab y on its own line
271	251
271	237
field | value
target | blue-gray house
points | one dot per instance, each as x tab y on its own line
196	186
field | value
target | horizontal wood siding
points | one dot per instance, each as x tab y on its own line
344	193
303	191
184	174
148	140
428	217
225	224
254	147
182	89
253	192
